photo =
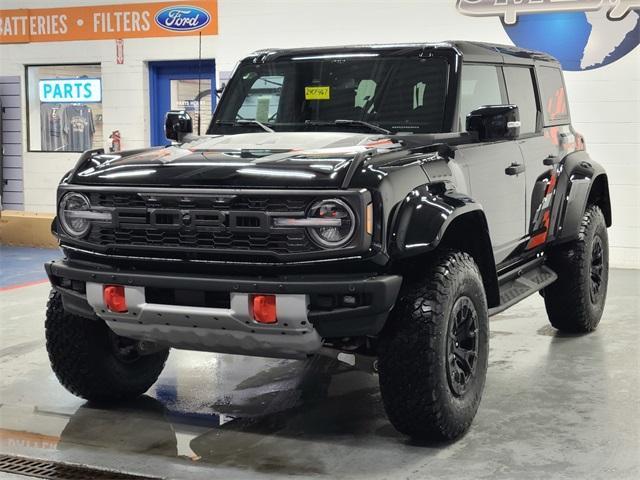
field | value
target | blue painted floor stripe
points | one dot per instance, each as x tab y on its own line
21	265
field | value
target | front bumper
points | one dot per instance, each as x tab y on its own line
301	327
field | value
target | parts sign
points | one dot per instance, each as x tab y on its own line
58	90
102	22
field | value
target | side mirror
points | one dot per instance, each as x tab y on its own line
177	124
495	122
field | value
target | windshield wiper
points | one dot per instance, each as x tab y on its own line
247	122
256	122
372	126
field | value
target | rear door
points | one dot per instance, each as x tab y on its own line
501	195
536	147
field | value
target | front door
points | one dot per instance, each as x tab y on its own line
501	192
182	85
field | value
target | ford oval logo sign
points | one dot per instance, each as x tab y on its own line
182	18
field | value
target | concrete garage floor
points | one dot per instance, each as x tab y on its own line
554	407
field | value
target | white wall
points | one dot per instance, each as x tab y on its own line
605	103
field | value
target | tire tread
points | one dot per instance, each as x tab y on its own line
410	360
567	300
80	358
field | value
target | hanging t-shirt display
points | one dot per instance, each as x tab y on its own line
51	127
68	128
79	127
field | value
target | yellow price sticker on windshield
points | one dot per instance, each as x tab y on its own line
317	93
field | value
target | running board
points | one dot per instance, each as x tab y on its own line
519	285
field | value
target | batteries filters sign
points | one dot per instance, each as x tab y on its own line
112	21
581	34
80	90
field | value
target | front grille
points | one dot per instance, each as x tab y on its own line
277	243
262	203
136	229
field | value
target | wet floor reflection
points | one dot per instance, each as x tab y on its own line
141	426
291	418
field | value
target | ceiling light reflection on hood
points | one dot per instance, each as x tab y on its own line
209	164
263	172
135	173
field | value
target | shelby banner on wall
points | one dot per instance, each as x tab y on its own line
581	34
100	22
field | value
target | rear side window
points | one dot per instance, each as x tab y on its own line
520	89
554	98
480	85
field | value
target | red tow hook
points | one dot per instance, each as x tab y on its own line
114	298
263	308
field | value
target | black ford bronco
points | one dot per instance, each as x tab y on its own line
374	203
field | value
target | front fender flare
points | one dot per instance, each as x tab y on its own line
422	218
426	220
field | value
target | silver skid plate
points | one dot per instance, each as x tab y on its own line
220	330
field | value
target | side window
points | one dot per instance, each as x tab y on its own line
520	89
261	103
554	98
480	85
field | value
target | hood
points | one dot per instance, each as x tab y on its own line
278	160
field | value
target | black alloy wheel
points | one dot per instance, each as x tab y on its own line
462	346
597	268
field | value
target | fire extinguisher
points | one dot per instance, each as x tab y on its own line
115	141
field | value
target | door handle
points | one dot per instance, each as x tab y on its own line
514	169
551	160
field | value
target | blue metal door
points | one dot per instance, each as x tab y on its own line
181	85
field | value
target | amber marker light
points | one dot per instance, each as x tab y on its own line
369	219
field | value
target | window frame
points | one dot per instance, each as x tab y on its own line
501	85
539	130
557	122
27	103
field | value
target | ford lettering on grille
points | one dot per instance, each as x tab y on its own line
182	18
180	219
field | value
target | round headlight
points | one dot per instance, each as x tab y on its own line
335	234
70	205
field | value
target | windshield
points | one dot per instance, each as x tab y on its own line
361	92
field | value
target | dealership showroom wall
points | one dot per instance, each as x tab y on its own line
560	398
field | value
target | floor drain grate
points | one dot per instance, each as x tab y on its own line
59	471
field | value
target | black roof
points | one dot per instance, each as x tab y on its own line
469	51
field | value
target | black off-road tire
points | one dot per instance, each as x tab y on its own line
83	356
419	394
575	301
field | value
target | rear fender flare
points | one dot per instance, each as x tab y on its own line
581	181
